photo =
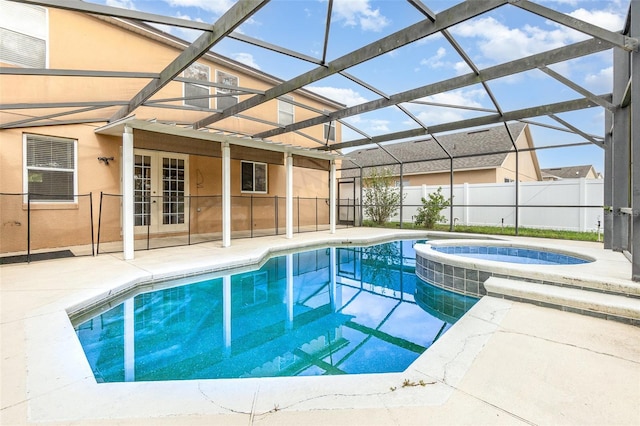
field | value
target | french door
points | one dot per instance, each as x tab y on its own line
161	190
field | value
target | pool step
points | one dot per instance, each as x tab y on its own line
592	303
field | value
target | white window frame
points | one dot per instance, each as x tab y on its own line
184	86
330	125
286	105
221	91
26	168
266	177
16	23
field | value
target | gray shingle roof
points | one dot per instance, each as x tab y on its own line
570	172
416	154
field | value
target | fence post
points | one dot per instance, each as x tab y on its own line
99	223
465	200
28	227
582	187
91	219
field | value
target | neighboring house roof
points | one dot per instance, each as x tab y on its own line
415	155
571	172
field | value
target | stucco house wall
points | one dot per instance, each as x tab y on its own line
77	41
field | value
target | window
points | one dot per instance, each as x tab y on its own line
23	34
330	130
254	177
507	180
197	92
50	168
229	80
285	110
405	182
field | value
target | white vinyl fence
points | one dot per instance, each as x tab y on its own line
569	204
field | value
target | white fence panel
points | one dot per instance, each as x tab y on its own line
570	196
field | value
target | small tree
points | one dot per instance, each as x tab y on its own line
429	213
381	198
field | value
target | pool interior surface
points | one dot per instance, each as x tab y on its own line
345	310
511	255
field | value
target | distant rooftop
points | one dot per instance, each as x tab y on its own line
426	156
570	172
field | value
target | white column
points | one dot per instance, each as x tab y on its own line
288	164
127	193
289	291
332	197
129	341
226	194
226	312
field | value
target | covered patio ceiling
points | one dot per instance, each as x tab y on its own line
346	68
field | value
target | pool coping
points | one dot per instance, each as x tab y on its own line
579	276
61	385
516	392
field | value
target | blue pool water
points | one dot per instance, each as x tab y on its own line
511	255
329	311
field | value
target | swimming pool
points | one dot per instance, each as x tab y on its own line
511	254
343	310
463	266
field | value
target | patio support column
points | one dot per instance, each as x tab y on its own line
127	194
226	194
620	146
288	164
607	217
634	231
332	197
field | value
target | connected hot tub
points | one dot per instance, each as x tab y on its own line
463	266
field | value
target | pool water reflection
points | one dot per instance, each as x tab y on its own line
344	310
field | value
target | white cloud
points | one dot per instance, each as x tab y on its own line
359	13
348	97
379	125
607	19
433	115
246	58
499	43
435	61
124	4
601	82
217	7
187	34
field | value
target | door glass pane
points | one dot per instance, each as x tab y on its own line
172	191
142	190
261	178
247	176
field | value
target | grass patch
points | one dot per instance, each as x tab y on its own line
497	230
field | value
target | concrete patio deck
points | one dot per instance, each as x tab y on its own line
503	363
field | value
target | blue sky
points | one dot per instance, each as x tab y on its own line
502	35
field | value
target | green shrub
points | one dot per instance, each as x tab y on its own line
429	214
381	198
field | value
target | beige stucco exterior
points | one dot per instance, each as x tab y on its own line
78	41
